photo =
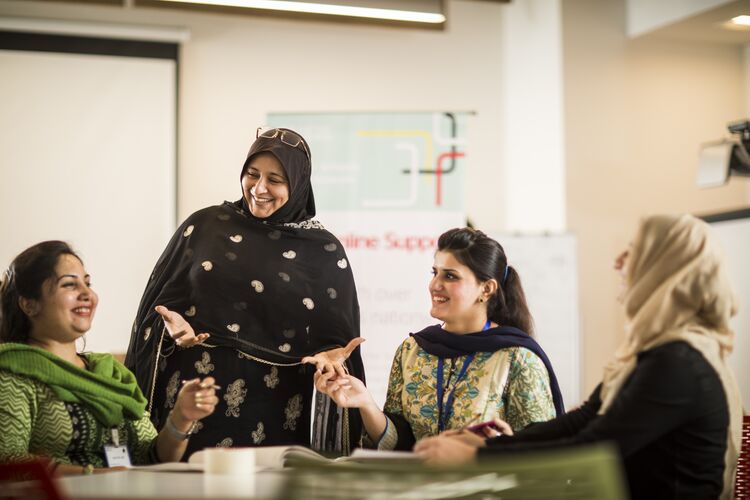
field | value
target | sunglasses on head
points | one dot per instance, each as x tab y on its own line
285	136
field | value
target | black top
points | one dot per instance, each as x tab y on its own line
669	420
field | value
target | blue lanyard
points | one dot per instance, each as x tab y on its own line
445	413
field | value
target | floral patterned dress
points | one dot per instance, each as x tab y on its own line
511	384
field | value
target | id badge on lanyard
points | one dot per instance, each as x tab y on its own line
116	455
446	409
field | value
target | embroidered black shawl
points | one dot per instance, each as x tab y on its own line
276	289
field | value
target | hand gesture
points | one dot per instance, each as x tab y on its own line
333	360
346	391
465	436
179	329
196	399
445	450
489	429
502	428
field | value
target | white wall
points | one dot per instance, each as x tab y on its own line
734	236
636	111
236	69
88	157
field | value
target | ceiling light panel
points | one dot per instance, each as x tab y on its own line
415	11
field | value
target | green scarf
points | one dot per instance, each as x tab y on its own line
107	388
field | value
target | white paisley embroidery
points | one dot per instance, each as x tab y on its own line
234	397
305	224
225	443
172	388
293	410
272	379
258	434
204	366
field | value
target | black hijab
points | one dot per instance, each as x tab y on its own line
297	165
436	341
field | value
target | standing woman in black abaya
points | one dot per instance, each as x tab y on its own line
244	292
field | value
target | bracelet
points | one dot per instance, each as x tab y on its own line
88	469
175	432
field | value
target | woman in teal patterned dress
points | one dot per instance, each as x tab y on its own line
75	409
480	364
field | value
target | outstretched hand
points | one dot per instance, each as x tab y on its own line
179	329
333	359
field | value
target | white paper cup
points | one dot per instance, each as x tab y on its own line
229	472
229	461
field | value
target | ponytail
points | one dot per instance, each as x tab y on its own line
508	306
487	260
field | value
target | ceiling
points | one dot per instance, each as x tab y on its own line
709	26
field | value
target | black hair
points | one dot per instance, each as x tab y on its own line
24	278
487	260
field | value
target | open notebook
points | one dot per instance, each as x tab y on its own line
277	457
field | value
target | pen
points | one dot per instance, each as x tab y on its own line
213	386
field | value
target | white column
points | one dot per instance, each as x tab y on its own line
532	147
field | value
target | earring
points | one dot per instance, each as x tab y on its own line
29	311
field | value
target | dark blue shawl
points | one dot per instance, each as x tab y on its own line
436	341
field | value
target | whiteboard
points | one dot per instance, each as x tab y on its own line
87	155
547	265
734	235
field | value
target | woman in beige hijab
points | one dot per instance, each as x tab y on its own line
668	400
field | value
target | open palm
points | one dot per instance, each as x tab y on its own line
179	329
333	359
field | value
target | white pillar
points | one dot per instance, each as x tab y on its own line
532	146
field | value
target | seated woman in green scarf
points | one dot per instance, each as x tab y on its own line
85	411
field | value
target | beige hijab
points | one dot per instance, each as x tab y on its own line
678	289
